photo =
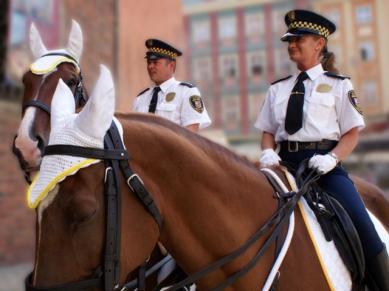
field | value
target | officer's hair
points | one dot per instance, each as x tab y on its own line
175	63
328	59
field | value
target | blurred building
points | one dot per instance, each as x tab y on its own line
235	52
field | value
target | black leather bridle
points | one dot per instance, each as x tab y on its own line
106	277
116	160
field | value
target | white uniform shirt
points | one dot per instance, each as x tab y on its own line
330	108
179	103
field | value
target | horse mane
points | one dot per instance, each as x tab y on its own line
205	144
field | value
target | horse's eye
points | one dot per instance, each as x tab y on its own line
72	82
81	210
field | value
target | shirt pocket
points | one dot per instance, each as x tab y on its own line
166	110
320	108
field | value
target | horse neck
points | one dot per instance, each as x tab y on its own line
211	201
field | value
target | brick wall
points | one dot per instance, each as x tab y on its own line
96	19
17	222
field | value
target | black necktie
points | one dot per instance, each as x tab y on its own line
294	112
154	100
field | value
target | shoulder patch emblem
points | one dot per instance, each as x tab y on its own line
197	103
170	96
354	101
282	79
145	90
323	88
187	84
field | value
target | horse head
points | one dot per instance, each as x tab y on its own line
40	82
71	216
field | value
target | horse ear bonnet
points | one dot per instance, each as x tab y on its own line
65	130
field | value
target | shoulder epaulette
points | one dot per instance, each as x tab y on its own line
275	82
187	84
333	75
145	90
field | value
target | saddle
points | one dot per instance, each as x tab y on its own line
338	227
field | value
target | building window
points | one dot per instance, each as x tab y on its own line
366	51
231	114
364	14
227	29
201	33
202	73
369	91
229	66
255	28
229	71
256	66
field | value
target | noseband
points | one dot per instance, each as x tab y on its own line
80	97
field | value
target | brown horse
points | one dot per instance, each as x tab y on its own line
34	129
200	159
215	203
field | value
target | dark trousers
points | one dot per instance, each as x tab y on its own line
339	185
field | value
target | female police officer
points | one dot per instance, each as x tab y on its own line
314	114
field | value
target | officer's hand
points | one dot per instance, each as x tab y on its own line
268	158
323	163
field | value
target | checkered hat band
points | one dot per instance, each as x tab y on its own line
321	30
163	51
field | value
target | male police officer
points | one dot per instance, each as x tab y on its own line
177	101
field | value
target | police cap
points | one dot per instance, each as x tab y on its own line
158	49
302	22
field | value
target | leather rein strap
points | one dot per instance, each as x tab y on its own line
116	158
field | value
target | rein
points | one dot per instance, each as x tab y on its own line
116	158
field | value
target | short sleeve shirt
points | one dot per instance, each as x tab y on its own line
330	108
178	102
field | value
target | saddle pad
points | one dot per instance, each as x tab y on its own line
334	269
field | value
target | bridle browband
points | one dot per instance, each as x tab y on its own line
116	158
79	95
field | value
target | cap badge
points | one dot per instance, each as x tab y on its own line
291	16
323	88
197	103
170	96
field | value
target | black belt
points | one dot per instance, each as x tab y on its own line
295	146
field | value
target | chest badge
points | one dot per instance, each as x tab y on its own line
323	88
170	96
197	103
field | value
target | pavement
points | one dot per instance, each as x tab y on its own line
12	277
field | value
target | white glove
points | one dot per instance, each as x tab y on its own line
268	158
323	163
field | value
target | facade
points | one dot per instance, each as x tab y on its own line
235	52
